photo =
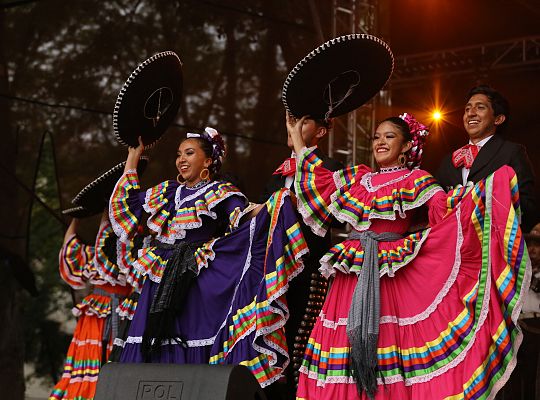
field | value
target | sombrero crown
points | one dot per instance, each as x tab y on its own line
149	100
338	76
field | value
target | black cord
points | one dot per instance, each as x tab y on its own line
101	112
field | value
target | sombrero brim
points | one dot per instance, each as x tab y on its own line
96	194
80	212
367	58
149	100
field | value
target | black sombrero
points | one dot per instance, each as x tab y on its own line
96	194
80	212
149	100
338	76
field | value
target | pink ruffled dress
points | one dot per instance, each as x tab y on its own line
449	294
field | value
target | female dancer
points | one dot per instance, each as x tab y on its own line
210	294
424	315
96	327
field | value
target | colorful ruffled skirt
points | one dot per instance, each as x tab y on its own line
235	309
86	353
448	321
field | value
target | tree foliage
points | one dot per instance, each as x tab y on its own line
66	62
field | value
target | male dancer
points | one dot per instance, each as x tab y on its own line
298	294
486	114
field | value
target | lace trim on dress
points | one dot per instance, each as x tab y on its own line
283	312
123	314
173	342
420	201
365	181
247	264
314	375
208	254
179	202
387	319
391	270
331	324
118	229
141	269
337	180
328	270
120	278
309	220
122	267
86	378
463	354
86	342
77	312
181	229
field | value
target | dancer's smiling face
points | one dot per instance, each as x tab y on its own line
388	143
191	160
479	118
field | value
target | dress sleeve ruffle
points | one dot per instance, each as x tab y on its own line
360	203
126	309
106	256
235	208
348	256
93	304
316	187
126	206
127	255
171	215
75	260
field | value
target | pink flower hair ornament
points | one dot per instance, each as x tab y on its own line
419	134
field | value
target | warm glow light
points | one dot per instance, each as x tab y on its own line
436	115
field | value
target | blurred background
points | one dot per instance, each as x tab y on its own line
62	64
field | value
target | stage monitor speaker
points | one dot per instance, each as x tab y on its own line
119	381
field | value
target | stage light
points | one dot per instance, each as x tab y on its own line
436	115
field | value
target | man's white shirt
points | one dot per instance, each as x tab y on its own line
465	171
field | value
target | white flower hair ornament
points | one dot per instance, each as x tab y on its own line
213	137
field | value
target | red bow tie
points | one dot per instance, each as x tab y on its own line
465	156
287	168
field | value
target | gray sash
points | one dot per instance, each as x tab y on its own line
363	319
111	324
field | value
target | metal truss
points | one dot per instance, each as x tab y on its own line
513	55
350	138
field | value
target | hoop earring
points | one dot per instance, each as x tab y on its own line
178	179
206	173
402	159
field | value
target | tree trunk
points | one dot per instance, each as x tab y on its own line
11	339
